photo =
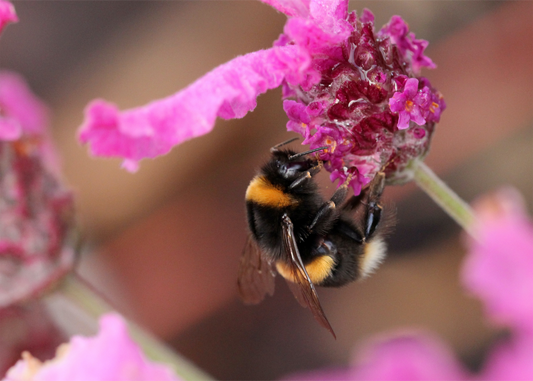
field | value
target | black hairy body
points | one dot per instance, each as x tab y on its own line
308	240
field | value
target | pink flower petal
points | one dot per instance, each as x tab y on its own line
511	360
411	88
7	14
403	120
110	355
229	91
315	38
500	263
331	16
406	357
10	129
18	105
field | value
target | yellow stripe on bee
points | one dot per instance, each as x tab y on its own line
318	269
264	193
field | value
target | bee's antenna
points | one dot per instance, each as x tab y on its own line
275	148
306	153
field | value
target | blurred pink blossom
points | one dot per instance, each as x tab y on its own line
407	356
109	356
21	112
36	209
499	267
498	270
7	14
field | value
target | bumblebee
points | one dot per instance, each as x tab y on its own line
309	241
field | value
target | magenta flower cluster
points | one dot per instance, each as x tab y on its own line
498	270
345	86
365	96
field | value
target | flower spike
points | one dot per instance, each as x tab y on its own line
345	86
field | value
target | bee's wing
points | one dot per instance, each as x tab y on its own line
303	289
256	277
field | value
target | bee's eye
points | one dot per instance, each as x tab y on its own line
295	167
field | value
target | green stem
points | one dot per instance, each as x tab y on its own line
445	197
73	297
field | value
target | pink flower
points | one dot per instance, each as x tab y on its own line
20	110
338	74
408	45
109	356
36	210
7	14
511	359
499	267
402	357
411	104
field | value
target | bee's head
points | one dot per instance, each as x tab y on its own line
290	164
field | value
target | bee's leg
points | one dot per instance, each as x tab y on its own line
328	211
372	218
373	208
306	175
275	148
372	192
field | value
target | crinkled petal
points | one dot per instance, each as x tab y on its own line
18	103
411	48
296	111
291	8
315	38
7	14
229	91
331	16
111	355
500	263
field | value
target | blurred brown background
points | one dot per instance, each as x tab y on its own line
164	244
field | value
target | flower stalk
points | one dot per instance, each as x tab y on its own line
445	197
74	294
